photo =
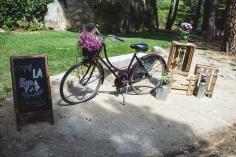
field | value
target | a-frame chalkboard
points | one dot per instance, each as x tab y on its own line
31	86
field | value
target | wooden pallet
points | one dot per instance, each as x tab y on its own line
180	58
210	84
182	84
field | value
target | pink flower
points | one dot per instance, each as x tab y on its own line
186	26
90	41
204	77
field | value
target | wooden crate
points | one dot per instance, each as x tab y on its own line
182	84
210	84
180	58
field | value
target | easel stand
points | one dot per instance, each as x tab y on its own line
31	88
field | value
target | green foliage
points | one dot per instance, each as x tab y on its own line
24	14
163	10
165	79
221	8
186	12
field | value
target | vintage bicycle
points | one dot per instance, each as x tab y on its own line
82	81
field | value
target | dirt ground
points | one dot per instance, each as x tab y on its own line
181	126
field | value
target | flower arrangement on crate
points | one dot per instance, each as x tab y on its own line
202	85
185	29
90	43
204	77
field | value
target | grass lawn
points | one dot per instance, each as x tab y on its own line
60	46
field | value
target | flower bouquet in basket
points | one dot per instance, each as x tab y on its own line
185	30
90	44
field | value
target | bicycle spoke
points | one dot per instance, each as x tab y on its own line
144	80
81	83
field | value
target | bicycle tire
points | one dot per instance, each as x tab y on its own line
81	78
138	76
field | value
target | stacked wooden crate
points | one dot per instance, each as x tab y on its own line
179	63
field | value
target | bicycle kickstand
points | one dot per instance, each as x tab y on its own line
126	91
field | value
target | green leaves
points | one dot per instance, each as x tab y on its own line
165	79
23	14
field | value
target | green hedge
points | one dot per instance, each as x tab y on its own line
23	14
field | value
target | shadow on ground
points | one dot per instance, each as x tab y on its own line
100	127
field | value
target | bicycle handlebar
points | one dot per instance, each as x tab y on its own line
103	36
117	38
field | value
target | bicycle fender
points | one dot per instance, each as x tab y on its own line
160	57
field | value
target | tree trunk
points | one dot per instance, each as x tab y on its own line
206	13
172	16
197	14
211	31
152	15
229	43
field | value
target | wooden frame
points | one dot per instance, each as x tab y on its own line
184	85
180	52
18	106
210	84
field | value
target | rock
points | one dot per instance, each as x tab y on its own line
2	31
158	49
55	18
186	152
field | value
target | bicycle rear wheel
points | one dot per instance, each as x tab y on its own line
143	79
81	82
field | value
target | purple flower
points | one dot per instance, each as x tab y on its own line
186	26
90	41
204	77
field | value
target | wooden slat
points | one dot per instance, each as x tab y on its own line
187	60
212	71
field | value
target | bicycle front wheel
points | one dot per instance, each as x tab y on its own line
144	78
81	82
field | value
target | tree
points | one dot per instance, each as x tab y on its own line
209	18
152	15
172	14
125	16
229	43
206	16
197	14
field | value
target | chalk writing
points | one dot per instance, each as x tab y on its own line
24	68
29	85
39	74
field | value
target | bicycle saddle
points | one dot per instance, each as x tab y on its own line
139	46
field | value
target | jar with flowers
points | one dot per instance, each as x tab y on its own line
185	29
162	89
202	85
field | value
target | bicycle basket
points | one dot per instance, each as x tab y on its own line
87	55
90	45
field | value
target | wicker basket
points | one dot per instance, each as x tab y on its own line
88	56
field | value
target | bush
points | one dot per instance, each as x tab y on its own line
23	14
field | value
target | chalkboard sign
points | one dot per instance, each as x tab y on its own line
31	86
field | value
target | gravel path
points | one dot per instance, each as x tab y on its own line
142	127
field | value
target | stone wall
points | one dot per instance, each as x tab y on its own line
111	15
68	15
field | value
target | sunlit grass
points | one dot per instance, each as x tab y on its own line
61	48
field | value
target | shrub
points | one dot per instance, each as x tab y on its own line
24	14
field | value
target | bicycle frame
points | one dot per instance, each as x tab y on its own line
109	65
